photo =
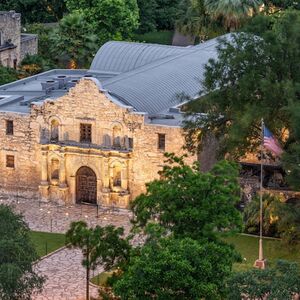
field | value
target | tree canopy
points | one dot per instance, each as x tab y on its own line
17	253
190	203
255	76
35	11
108	19
73	42
177	269
280	282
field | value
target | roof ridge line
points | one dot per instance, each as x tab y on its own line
154	64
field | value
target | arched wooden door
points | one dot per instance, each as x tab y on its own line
86	186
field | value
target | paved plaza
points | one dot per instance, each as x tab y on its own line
63	269
51	217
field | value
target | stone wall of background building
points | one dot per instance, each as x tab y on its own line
29	45
10	30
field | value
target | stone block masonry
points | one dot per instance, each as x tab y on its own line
110	167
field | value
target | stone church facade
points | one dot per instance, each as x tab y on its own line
14	45
98	136
82	147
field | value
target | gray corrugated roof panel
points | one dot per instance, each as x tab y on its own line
156	87
159	85
122	57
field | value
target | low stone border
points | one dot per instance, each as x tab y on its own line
50	254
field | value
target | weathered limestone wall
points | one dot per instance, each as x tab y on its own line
51	167
10	29
148	159
29	45
24	177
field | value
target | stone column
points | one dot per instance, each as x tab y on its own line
44	175
62	173
72	189
44	186
106	173
124	177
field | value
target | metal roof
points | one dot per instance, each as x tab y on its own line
120	57
157	86
150	78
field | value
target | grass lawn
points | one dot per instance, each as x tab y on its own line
273	250
101	278
156	37
47	242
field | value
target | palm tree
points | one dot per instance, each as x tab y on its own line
232	12
192	18
73	42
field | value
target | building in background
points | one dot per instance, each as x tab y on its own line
14	45
98	136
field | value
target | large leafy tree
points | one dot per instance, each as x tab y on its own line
190	203
232	12
17	254
177	269
147	10
108	19
255	76
73	42
36	10
100	246
280	282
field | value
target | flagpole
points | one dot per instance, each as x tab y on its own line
261	262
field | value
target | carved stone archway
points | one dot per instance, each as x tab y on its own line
86	186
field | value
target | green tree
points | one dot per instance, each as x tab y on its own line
7	75
147	10
108	19
44	37
17	253
35	11
192	18
190	203
281	283
232	12
289	222
100	246
254	77
72	42
270	217
166	14
177	269
34	64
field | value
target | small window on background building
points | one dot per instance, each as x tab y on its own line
161	141
9	127
10	161
85	133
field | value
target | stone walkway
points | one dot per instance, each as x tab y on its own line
50	217
66	276
63	269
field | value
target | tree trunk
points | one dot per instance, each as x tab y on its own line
87	283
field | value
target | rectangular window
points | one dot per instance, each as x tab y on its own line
161	141
9	127
10	161
85	133
130	143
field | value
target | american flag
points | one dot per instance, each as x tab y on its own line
271	143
